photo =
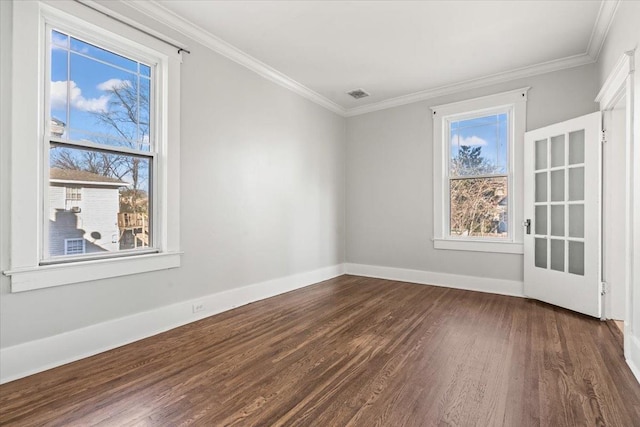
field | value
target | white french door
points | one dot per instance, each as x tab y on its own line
562	214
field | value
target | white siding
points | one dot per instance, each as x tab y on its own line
97	221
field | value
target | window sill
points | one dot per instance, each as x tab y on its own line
478	246
46	276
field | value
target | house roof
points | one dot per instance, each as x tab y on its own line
83	177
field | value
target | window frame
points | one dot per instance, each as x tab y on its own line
513	103
128	51
29	143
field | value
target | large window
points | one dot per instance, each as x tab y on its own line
96	132
99	135
477	177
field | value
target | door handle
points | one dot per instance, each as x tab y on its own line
527	224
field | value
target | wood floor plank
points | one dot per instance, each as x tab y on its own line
351	351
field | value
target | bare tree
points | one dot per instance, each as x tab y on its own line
127	119
475	205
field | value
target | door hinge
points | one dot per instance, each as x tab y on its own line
604	136
603	288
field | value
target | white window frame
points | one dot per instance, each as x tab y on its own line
515	104
29	130
66	246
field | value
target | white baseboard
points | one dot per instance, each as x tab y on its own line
471	283
633	355
35	356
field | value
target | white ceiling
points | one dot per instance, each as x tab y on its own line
396	48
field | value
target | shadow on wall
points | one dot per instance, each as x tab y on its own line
64	228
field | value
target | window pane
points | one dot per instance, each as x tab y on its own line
557	186
479	207
576	184
541	154
576	147
541	220
576	258
103	55
557	255
557	151
541	253
98	96
59	85
576	220
557	220
479	146
541	187
99	198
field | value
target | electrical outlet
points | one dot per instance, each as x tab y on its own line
198	307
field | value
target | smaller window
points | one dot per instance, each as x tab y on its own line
478	149
74	194
74	246
479	176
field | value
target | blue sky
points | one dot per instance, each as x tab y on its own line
489	132
81	75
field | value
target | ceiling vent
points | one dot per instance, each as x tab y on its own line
358	93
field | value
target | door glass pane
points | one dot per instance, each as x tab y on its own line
541	187
576	184
576	258
576	147
557	255
557	151
557	186
557	220
541	154
541	220
541	253
576	220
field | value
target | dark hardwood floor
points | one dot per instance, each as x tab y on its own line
349	351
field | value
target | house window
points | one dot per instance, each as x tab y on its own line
478	173
479	176
101	122
74	246
101	166
73	194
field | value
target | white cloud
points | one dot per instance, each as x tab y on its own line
112	84
470	141
59	41
59	98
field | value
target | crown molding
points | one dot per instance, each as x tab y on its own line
546	67
601	27
166	17
200	35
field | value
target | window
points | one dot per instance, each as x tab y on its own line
74	246
73	194
100	134
479	176
478	173
103	162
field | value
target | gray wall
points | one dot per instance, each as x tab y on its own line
623	35
389	177
262	197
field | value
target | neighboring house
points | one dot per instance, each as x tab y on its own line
83	212
57	127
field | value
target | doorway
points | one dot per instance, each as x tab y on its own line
616	180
